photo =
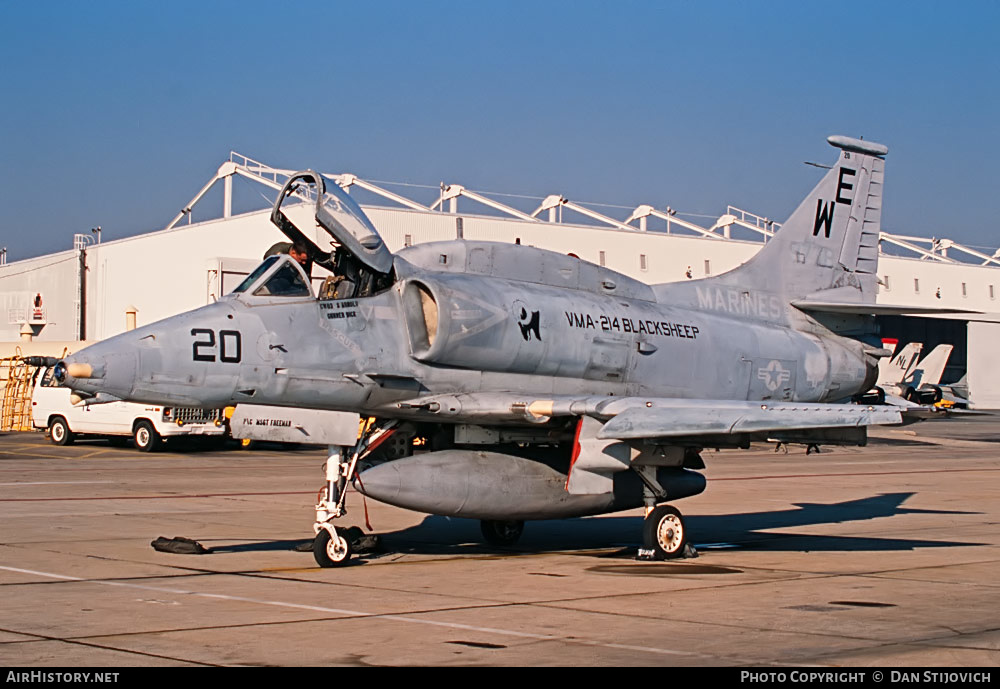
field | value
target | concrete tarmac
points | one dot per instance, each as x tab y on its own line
878	556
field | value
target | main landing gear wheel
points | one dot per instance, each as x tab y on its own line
331	552
145	436
501	533
664	533
59	432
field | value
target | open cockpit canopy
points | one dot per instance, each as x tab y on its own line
327	219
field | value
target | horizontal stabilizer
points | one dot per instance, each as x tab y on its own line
873	309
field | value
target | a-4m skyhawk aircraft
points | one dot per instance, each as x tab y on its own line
537	385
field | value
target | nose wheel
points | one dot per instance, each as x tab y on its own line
330	548
663	533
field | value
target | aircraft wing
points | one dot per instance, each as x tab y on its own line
669	418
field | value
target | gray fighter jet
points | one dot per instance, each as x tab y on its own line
507	383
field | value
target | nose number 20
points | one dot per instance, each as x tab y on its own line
230	345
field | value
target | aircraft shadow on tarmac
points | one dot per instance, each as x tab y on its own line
447	536
739	530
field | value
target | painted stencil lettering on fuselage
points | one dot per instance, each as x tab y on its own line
740	302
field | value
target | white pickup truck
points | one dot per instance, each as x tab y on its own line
147	424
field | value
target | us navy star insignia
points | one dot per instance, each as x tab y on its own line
774	375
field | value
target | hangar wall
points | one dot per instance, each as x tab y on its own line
56	279
984	364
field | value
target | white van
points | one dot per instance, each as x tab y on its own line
147	424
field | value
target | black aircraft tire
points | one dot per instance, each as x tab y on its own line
59	432
145	437
328	556
501	533
664	532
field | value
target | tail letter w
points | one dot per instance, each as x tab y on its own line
824	217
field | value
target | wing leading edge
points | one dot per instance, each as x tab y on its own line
669	418
652	417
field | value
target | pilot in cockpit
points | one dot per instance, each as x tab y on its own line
297	250
286	281
344	281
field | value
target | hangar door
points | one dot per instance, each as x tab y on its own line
932	332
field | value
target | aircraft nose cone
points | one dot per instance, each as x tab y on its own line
59	372
76	370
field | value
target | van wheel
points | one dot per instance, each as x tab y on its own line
145	436
59	431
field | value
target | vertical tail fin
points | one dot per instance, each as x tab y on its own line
930	369
828	248
897	370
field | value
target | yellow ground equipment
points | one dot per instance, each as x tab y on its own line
17	377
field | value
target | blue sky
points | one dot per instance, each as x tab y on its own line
115	113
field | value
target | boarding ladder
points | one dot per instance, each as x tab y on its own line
16	376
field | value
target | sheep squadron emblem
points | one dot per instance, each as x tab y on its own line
527	321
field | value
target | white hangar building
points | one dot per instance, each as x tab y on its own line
96	290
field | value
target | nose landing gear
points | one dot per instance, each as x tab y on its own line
333	548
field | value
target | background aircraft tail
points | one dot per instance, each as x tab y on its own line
895	371
930	369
